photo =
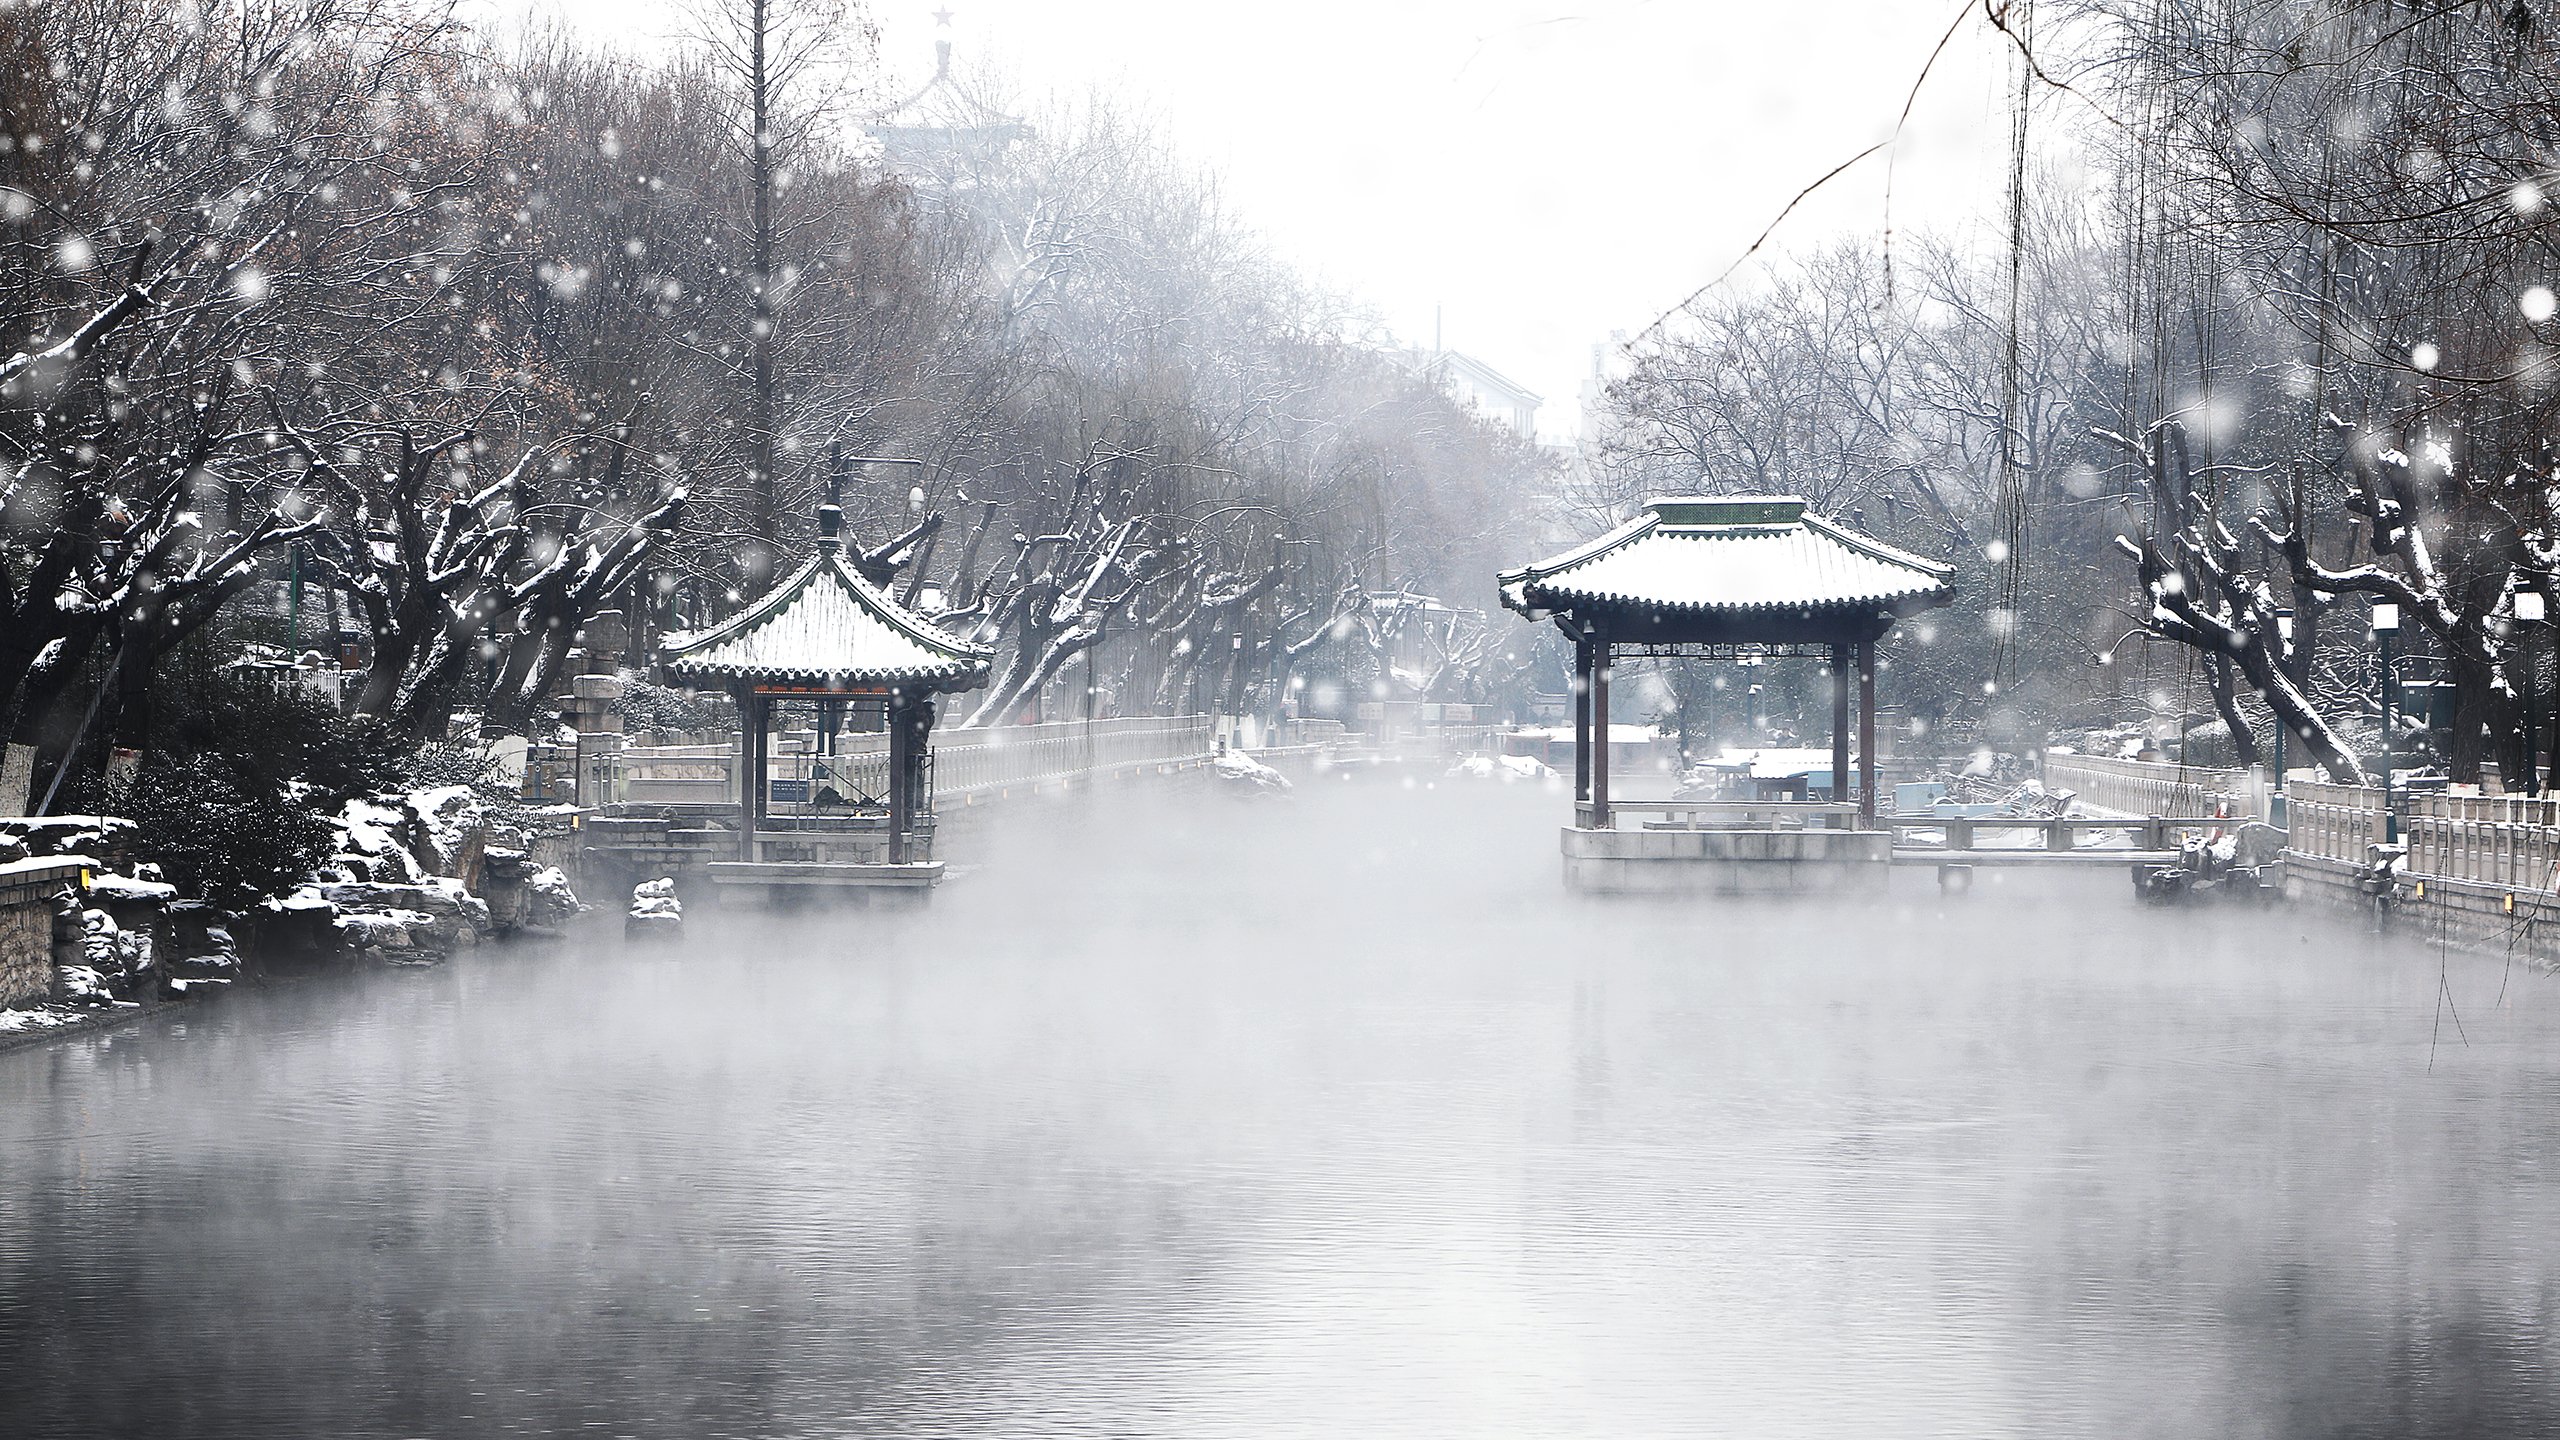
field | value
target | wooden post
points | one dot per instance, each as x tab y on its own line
919	763
1867	733
902	802
1581	722
764	759
1600	819
743	771
1839	724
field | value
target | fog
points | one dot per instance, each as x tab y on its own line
1180	1115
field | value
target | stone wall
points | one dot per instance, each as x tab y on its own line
2489	919
27	953
1725	862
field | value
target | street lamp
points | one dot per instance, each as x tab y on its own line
2529	612
2386	623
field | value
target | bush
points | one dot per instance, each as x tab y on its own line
644	706
216	836
240	775
270	733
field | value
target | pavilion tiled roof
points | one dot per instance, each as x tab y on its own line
1730	554
826	625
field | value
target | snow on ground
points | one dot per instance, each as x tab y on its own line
128	889
55	1017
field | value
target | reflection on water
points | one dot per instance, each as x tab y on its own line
1178	1116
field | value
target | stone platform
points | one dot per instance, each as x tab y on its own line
1726	862
740	882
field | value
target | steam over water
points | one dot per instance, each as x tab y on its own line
1178	1115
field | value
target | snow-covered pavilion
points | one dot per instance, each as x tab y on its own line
828	638
1715	575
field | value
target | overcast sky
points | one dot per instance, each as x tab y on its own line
1538	173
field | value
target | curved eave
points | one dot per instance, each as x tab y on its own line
1514	582
964	666
1538	601
851	681
1891	555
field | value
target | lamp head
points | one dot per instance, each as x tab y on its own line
2386	618
2529	606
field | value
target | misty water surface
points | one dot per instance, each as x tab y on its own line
1183	1116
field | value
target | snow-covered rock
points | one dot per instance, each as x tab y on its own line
552	901
448	818
122	957
129	890
373	844
84	985
1248	775
387	929
452	917
1510	769
655	910
22	837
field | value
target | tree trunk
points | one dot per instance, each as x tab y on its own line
2480	710
765	522
2226	701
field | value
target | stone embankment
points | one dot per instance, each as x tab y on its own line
90	933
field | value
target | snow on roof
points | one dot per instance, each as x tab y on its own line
826	625
1729	553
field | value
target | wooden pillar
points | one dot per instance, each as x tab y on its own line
920	716
1867	732
745	770
1839	724
902	800
1581	720
1600	819
764	758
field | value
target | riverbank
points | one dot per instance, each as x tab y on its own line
92	936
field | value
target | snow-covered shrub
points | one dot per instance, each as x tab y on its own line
644	706
217	837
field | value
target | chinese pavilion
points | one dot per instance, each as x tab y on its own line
829	645
1723	575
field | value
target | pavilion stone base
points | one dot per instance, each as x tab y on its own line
740	882
1726	862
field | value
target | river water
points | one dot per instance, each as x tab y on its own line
1179	1115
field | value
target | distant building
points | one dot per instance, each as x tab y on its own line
1471	381
1608	365
944	130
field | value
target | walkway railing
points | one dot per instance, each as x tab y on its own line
966	763
2502	840
999	758
2145	787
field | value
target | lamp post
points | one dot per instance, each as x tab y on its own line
2386	623
2529	612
